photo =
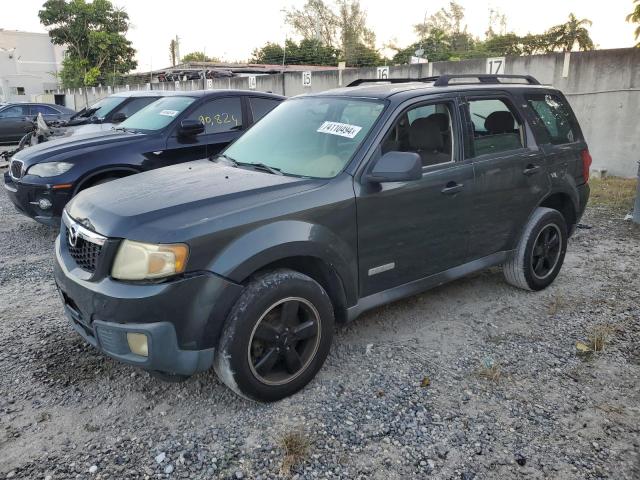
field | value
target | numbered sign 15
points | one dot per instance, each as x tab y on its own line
306	79
495	65
382	73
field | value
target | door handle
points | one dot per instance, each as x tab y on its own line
451	188
531	169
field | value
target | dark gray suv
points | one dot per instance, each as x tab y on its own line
331	205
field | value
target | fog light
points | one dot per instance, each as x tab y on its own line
44	204
138	344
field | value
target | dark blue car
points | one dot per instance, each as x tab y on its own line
176	128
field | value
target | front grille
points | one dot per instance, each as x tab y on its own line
84	252
16	168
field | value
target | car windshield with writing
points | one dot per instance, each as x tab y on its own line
157	115
309	137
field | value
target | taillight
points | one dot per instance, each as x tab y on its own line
586	163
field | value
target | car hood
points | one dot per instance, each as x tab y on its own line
181	202
86	128
61	149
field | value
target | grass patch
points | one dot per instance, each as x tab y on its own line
295	447
489	369
613	192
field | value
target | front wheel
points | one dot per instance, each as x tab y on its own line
537	260
276	337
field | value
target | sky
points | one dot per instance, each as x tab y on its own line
231	30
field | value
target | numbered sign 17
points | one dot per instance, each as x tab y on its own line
495	65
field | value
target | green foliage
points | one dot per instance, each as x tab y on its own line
94	34
329	35
198	57
634	17
566	35
307	52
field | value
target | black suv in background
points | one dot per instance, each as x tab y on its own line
178	127
335	203
16	119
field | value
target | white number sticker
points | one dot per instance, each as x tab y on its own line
341	129
169	113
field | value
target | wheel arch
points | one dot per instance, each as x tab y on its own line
92	177
307	248
565	204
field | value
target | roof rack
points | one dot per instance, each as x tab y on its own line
444	80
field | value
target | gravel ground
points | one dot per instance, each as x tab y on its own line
472	380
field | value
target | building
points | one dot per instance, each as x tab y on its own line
29	64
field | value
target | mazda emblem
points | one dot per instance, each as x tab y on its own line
73	236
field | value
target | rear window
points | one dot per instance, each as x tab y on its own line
554	118
261	106
496	128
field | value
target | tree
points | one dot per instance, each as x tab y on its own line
635	18
198	57
269	54
566	35
94	34
316	20
173	52
345	29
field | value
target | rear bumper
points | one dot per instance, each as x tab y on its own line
25	198
181	319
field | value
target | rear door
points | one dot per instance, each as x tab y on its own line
260	106
14	123
410	230
48	113
510	171
557	132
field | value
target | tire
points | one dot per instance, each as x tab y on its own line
257	351
524	268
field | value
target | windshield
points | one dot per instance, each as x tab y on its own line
103	107
309	137
157	115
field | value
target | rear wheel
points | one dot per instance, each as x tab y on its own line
537	260
276	337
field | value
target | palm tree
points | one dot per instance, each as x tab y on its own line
567	34
634	17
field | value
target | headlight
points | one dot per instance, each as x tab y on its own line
49	169
142	261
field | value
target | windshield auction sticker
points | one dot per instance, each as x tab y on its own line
341	129
169	113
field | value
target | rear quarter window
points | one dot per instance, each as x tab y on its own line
554	119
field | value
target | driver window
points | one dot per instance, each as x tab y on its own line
219	115
426	130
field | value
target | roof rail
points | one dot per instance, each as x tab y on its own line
444	80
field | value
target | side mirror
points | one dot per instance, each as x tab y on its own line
190	128
396	167
118	117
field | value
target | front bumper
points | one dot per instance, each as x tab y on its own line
25	196
182	319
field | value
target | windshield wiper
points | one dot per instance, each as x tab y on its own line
254	166
265	168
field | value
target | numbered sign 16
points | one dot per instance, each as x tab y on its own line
252	82
382	73
177	84
495	65
306	79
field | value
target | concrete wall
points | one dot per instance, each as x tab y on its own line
602	86
30	61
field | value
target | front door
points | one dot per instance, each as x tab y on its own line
510	173
410	230
223	121
14	123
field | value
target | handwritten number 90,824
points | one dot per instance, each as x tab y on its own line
219	119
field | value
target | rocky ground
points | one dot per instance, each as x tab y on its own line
473	380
